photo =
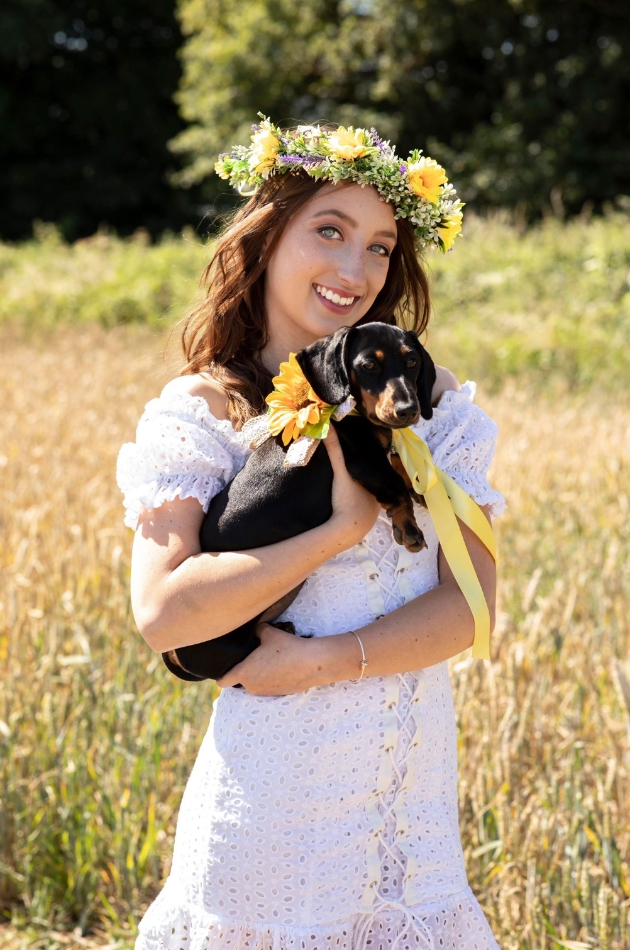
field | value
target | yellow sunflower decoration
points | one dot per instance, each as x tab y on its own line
294	407
426	179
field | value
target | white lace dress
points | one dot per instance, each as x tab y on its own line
326	819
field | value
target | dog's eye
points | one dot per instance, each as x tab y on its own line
368	364
411	362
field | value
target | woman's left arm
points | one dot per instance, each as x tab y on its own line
433	627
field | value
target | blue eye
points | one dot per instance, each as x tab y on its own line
381	250
329	231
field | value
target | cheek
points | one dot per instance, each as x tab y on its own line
376	271
293	264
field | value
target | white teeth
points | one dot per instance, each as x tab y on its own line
335	298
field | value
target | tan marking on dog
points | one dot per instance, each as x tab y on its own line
369	401
386	404
172	655
397	465
404	521
379	354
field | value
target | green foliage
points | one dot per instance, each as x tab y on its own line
525	101
102	279
550	304
86	111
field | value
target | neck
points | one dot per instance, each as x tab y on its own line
289	340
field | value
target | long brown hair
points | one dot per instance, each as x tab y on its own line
226	333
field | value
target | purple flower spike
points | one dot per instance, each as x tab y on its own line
306	160
378	141
402	169
256	128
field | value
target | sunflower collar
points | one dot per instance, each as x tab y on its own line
297	413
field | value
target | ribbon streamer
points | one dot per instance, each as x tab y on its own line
445	499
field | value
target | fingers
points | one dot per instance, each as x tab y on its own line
232	676
264	632
333	447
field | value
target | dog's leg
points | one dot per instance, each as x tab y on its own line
405	527
397	465
368	463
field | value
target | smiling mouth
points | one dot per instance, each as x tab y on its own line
334	297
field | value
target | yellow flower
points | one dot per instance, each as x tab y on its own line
221	170
264	152
450	229
347	143
293	404
426	178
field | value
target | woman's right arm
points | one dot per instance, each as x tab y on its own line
181	595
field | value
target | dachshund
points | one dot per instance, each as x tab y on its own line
390	375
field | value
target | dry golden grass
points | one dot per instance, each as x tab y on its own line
97	739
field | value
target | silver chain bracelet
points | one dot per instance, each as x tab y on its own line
363	662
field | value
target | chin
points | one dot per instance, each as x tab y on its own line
321	324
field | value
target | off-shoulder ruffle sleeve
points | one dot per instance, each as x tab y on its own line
181	451
462	439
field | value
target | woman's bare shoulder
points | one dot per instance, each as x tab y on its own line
200	384
444	380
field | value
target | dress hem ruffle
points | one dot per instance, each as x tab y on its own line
454	922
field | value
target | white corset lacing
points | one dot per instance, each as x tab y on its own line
327	819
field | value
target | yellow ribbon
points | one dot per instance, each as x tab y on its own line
445	499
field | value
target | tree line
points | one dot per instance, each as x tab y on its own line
113	111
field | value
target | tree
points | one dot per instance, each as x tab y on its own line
525	102
86	111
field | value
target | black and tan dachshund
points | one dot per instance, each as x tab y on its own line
391	376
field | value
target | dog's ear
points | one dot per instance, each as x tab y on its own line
325	365
426	376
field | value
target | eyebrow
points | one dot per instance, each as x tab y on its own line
351	221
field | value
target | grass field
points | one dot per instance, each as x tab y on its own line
552	302
97	739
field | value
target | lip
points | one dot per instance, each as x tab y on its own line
335	307
392	425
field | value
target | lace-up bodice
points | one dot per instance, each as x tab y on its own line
326	819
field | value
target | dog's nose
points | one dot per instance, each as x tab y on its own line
406	413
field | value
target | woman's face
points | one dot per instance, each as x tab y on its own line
328	266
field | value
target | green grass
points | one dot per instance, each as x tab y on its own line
551	303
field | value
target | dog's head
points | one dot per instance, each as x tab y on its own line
386	369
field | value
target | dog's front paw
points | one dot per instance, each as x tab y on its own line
406	531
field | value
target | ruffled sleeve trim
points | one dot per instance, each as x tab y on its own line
462	438
181	451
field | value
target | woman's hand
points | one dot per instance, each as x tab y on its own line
283	663
354	509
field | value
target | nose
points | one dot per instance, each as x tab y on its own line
351	268
407	413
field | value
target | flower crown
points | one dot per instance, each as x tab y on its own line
417	188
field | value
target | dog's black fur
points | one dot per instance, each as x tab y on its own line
391	377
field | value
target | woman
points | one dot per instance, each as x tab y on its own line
321	812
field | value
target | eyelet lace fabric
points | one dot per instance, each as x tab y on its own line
327	819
